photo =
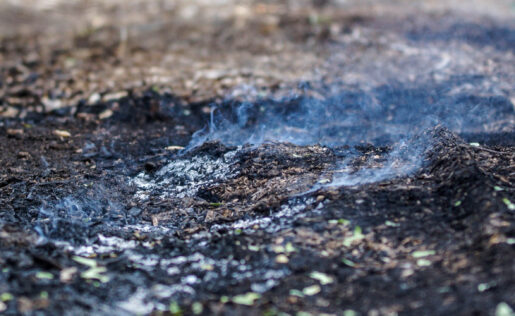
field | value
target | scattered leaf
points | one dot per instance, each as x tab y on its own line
423	253
175	309
349	312
311	290
295	292
358	235
96	273
348	262
105	114
509	204
486	286
289	248
197	308
281	259
85	261
174	148
246	299
322	277
207	267
457	203
278	249
44	275
4	297
444	289
62	133
423	262
392	224
341	221
67	274
503	309
253	248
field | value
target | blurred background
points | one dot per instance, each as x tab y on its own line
89	49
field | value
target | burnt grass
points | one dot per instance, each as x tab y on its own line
438	241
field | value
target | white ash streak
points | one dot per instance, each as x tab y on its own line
273	223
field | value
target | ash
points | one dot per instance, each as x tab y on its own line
184	177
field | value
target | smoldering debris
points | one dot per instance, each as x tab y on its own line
383	177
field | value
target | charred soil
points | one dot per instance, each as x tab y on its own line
107	207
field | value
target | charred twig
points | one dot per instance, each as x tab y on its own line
483	149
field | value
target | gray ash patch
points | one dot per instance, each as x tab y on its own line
184	177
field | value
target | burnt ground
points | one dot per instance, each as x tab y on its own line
110	203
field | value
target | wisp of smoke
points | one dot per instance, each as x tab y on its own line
394	115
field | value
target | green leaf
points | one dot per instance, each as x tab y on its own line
44	275
278	249
349	312
474	144
175	309
458	203
246	299
311	290
289	248
358	235
486	286
392	224
96	274
423	262
322	277
509	204
253	248
348	262
85	261
503	309
4	297
295	292
423	253
197	308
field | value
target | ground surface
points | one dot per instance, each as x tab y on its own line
379	179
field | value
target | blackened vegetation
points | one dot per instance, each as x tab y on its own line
253	219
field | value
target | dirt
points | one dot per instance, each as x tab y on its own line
111	201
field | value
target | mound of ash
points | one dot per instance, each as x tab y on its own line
215	182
